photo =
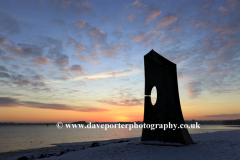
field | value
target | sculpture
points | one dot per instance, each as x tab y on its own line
162	74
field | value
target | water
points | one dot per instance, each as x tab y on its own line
37	136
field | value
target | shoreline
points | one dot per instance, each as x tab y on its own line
59	149
213	145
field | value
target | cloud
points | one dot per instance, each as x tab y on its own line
8	24
109	75
228	44
81	24
96	62
176	28
41	61
214	75
10	102
109	53
78	69
31	50
232	3
212	64
55	51
138	4
74	91
7	57
166	20
223	9
118	34
225	115
150	11
75	8
113	49
70	41
215	59
63	60
4	75
152	14
59	22
2	68
116	73
55	46
1	51
63	70
91	109
12	94
22	82
184	56
227	28
83	58
38	77
65	3
97	36
2	40
166	43
203	24
46	89
29	71
125	102
131	17
26	50
14	49
14	66
93	78
36	89
82	83
79	47
61	78
193	89
19	80
207	5
140	36
38	84
5	83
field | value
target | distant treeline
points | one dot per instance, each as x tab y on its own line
204	122
225	122
232	122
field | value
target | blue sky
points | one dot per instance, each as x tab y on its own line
87	56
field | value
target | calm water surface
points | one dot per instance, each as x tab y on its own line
37	136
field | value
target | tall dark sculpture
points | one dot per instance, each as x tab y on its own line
162	74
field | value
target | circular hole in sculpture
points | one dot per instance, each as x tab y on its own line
154	95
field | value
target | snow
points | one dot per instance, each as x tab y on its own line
215	145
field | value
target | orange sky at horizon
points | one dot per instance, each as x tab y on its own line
121	114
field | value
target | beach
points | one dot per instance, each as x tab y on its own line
215	145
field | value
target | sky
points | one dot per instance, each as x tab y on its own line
76	60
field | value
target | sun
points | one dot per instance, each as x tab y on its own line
122	119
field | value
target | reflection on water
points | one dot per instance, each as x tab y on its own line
37	136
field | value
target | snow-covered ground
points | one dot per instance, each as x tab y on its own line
216	145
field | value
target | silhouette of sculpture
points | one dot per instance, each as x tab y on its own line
162	74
